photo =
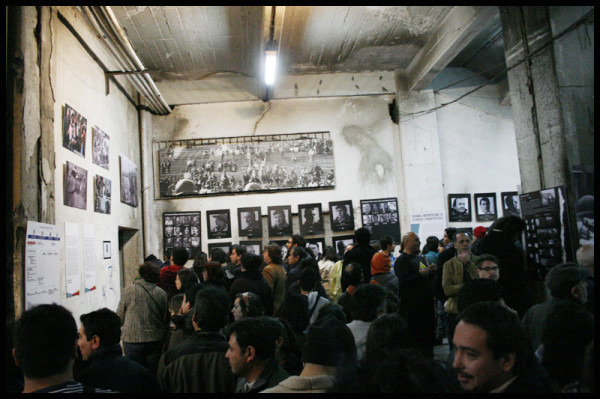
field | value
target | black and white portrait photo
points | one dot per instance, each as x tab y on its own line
74	130
340	243
341	216
316	246
311	219
219	225
225	246
250	222
182	229
128	182
485	205
100	144
252	247
510	203
75	186
280	220
459	207
258	163
102	195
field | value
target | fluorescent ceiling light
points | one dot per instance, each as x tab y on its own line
270	62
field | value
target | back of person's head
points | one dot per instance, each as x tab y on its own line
150	258
191	290
218	255
385	241
511	225
568	331
45	341
362	236
214	271
240	250
333	310
187	276
352	274
386	333
329	342
211	309
562	278
274	252
251	304
369	302
451	233
309	263
294	310
104	323
308	279
479	290
300	251
149	272
330	254
298	240
199	263
431	245
504	333
175	303
180	256
251	262
250	331
486	257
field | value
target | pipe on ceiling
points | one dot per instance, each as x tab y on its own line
102	20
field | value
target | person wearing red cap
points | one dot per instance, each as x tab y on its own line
381	271
479	232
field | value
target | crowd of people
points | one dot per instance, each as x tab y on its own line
291	321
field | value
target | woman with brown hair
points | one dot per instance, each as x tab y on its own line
274	273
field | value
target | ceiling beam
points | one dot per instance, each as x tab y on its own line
457	30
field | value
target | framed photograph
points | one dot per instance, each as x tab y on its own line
380	217
340	243
253	247
100	144
317	246
341	216
182	229
75	186
485	206
298	161
280	220
510	203
106	249
102	196
311	219
74	130
218	224
459	207
225	246
128	182
250	222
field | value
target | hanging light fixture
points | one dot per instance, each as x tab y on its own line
270	66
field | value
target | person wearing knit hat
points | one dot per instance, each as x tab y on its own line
329	346
381	270
479	232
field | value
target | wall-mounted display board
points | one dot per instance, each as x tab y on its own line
102	194
311	219
245	164
75	194
459	207
250	222
547	230
74	130
128	181
182	229
485	207
341	216
218	223
100	147
380	216
42	264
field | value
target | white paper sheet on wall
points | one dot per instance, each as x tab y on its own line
42	264
428	223
89	260
73	278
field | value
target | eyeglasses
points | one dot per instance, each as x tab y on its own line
489	269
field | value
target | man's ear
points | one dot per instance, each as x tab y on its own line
96	342
250	353
508	361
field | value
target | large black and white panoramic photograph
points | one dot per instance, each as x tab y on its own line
257	163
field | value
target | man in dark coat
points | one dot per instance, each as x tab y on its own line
361	253
252	280
104	365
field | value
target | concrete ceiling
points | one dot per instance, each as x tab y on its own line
214	53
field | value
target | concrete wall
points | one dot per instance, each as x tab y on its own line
78	81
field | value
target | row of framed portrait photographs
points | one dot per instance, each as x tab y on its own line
75	187
486	208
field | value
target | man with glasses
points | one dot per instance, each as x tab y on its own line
487	267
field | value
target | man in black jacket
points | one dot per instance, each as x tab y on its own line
252	280
104	365
361	253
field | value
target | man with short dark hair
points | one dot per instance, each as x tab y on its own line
45	348
198	365
295	240
252	280
362	253
104	365
488	267
297	254
252	357
168	274
234	268
492	353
